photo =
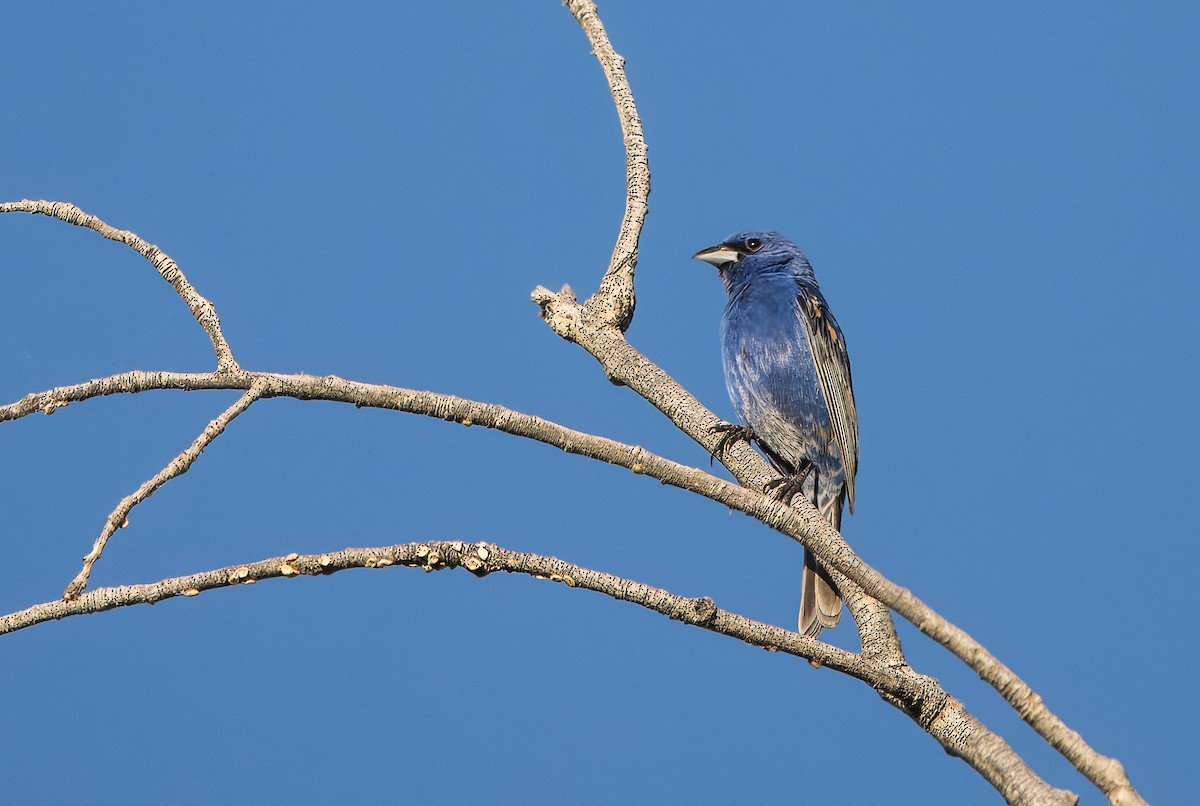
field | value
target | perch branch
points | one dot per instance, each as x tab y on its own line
623	364
598	326
801	522
605	340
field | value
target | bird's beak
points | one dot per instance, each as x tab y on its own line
719	255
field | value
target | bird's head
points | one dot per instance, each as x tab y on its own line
746	254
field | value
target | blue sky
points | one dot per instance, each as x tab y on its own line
1000	203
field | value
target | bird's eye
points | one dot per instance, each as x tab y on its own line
753	244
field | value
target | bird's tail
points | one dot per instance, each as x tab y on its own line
820	602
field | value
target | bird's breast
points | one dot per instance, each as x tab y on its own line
769	368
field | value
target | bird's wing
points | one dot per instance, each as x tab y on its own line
828	348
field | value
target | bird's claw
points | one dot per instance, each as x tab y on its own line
731	433
786	487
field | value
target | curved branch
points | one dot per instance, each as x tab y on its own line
920	697
331	388
598	325
622	364
801	522
876	630
201	308
613	302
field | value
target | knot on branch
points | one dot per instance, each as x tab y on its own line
475	558
926	701
559	310
702	611
614	301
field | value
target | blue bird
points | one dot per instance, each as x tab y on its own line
788	375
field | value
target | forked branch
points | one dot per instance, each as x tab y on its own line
597	325
623	364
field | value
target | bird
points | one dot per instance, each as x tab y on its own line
788	375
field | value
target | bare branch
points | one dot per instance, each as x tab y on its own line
431	404
625	365
800	522
613	302
176	467
876	630
622	364
920	697
200	307
598	325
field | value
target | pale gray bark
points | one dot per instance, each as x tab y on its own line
597	325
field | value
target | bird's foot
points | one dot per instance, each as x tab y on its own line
786	487
731	433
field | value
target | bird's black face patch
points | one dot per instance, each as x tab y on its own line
745	244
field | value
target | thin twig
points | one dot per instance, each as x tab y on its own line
920	697
201	308
176	467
